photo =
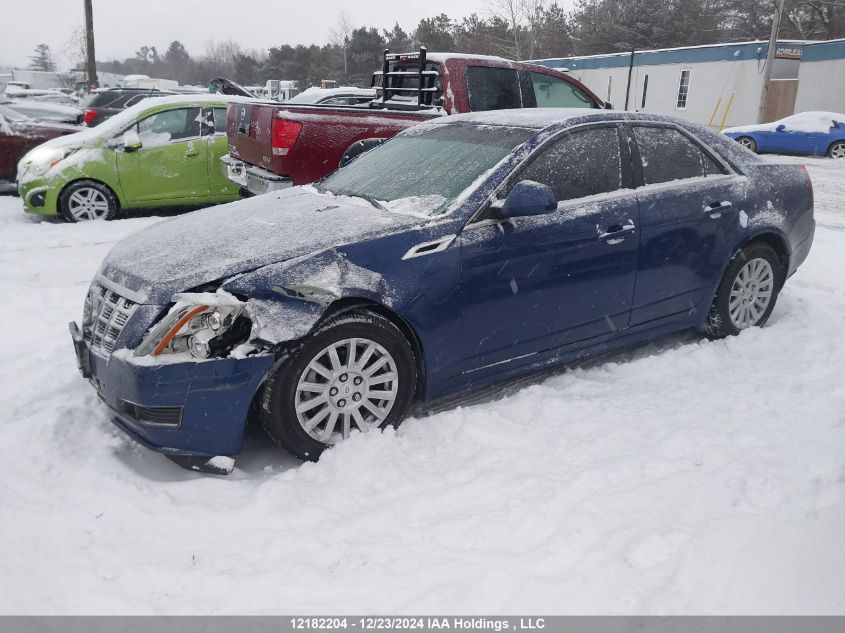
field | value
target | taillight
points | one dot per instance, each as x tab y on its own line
89	116
283	136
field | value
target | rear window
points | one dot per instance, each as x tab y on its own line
555	92
493	88
106	100
119	98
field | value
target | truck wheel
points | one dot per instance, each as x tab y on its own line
356	372
747	293
87	200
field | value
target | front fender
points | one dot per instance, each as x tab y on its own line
286	300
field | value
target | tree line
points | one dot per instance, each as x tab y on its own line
515	29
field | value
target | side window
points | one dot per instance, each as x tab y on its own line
492	88
683	90
554	92
581	164
170	125
219	120
668	155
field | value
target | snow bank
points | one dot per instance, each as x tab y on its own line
683	477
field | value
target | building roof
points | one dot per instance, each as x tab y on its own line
736	51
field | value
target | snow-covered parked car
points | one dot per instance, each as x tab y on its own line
344	95
810	133
463	252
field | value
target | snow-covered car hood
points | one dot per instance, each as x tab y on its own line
219	242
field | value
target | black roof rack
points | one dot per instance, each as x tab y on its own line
391	80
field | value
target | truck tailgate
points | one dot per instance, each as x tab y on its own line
325	135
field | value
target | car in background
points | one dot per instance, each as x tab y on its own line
463	253
808	133
18	135
346	95
45	111
160	152
103	104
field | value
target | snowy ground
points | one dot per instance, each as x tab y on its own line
684	477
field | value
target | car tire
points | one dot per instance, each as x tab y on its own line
747	293
748	143
86	200
837	150
340	384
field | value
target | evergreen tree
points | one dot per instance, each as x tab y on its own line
42	59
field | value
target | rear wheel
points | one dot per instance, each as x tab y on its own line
356	372
748	143
837	150
87	200
747	293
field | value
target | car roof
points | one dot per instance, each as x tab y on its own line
543	118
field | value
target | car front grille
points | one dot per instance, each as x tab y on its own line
106	313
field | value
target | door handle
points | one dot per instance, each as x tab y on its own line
190	150
714	209
616	231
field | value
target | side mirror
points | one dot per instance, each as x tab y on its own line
358	148
780	128
608	105
528	198
131	141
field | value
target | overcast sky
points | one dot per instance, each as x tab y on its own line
123	26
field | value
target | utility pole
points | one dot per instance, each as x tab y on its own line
90	56
770	59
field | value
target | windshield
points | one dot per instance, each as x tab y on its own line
424	170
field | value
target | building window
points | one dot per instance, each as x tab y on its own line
645	92
683	89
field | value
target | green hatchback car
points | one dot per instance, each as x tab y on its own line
164	151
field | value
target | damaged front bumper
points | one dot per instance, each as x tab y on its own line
183	410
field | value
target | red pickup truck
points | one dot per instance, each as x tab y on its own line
276	145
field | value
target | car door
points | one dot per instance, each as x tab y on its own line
533	284
690	209
172	163
214	132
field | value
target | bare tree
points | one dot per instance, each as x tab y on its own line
340	34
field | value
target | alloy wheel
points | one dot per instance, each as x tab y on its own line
352	383
838	150
87	203
747	143
751	293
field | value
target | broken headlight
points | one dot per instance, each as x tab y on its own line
205	331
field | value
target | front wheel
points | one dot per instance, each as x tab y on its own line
748	143
837	150
87	200
356	372
747	293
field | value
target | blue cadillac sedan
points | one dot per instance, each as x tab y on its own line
807	133
464	252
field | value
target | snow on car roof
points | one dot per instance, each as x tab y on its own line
313	94
524	117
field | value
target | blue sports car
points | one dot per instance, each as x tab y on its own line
810	133
462	253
